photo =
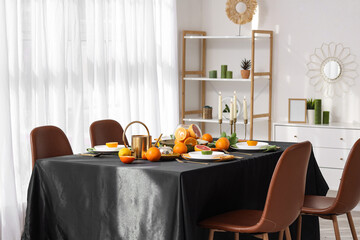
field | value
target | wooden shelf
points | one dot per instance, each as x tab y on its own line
223	37
221	79
214	121
200	76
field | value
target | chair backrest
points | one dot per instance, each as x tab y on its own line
104	131
48	141
348	194
286	192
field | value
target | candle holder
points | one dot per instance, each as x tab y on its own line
245	126
231	126
235	120
220	124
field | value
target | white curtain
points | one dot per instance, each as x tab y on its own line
71	62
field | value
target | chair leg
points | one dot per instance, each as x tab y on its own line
352	226
265	236
211	234
298	236
236	236
287	233
281	235
336	227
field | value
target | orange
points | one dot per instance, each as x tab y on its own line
194	131
177	141
252	143
180	148
153	154
222	143
112	144
181	134
190	141
127	159
207	137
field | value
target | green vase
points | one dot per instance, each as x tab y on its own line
317	111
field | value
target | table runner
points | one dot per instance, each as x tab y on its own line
77	197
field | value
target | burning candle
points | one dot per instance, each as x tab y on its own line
245	108
235	106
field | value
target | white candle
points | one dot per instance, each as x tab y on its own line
235	106
245	108
231	110
220	106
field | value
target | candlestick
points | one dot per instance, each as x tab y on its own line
220	107
245	124
235	119
231	125
220	124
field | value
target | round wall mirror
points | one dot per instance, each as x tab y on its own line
240	11
331	70
241	7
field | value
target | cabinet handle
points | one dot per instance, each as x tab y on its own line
341	159
295	136
341	139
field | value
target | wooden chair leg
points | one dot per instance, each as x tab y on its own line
211	234
236	236
298	236
352	226
281	235
265	236
287	233
336	227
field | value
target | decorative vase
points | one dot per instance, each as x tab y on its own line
311	116
245	74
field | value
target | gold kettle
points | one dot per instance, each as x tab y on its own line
139	143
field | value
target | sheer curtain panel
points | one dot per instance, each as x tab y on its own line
71	62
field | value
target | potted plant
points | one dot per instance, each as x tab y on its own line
245	65
310	106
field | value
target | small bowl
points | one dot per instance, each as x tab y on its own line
252	143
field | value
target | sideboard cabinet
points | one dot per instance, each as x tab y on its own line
331	144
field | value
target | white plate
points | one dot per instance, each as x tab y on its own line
104	148
199	155
201	142
245	146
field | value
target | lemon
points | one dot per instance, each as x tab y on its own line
124	152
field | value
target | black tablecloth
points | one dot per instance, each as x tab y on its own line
77	197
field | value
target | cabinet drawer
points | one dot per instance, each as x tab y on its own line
332	177
331	157
319	137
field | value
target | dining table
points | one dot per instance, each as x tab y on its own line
83	197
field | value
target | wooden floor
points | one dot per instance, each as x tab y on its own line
327	229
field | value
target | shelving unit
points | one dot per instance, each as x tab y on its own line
201	35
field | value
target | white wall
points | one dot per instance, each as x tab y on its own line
300	27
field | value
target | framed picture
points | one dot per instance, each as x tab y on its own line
297	110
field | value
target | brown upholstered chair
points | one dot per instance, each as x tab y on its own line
346	199
48	141
283	203
104	131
